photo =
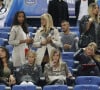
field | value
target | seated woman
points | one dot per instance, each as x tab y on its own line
30	72
87	65
56	71
6	68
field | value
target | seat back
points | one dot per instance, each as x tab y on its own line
23	87
55	87
2	87
94	80
86	87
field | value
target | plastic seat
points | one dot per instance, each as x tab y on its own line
67	55
86	87
55	87
2	87
23	87
94	80
70	63
4	35
2	42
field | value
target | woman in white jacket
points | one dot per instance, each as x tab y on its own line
19	39
46	39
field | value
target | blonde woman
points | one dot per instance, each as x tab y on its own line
56	71
46	39
87	65
87	23
30	72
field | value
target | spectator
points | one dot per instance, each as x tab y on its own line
6	68
56	71
58	10
3	13
69	39
19	38
30	72
87	23
46	39
87	65
81	8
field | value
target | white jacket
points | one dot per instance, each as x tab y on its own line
41	49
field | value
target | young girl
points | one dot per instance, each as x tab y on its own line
30	72
56	71
19	39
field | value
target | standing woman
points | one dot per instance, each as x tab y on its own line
87	23
19	39
46	39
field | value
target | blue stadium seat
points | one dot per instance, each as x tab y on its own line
86	87
2	42
70	69
70	63
5	29
94	80
2	87
10	49
55	87
22	87
32	29
67	55
4	35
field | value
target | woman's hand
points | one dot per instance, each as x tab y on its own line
49	40
29	40
12	80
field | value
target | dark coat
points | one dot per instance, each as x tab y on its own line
34	72
77	6
58	10
84	59
91	31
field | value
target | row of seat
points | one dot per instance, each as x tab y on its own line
53	87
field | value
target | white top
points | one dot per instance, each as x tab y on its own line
83	9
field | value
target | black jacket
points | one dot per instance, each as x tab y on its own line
58	10
91	31
77	6
33	71
84	59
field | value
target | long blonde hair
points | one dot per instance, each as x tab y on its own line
49	20
90	10
52	54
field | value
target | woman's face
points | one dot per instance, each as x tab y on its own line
21	18
43	21
89	51
31	58
95	10
56	58
2	53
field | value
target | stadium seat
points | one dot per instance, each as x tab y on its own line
23	87
32	29
2	42
55	87
5	29
10	49
4	35
67	55
86	87
94	80
2	87
70	63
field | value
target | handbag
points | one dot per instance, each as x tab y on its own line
84	39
